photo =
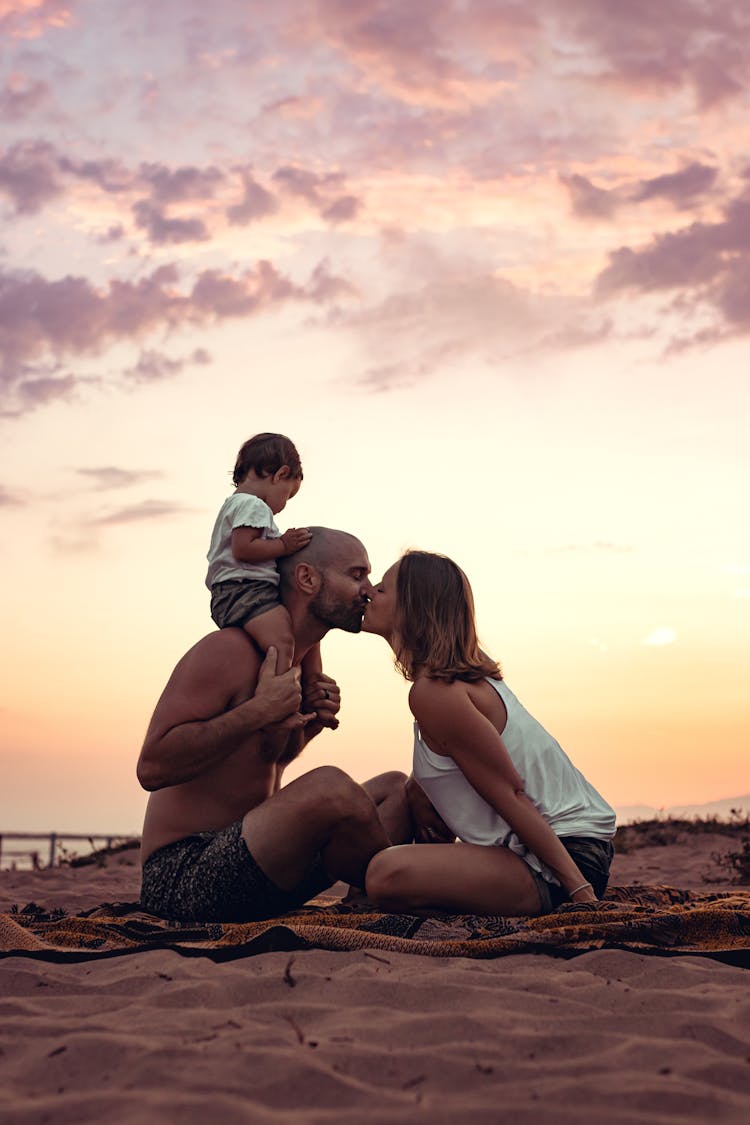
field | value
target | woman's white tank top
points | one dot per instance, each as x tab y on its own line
561	793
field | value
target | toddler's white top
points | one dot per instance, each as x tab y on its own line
241	509
560	792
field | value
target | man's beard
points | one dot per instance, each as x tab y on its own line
337	614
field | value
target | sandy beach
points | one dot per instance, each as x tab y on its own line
318	1036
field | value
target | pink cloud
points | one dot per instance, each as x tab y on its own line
33	173
153	365
39	391
135	513
256	202
40	318
458	54
30	175
682	189
22	96
588	200
106	477
461	311
306	184
295	107
428	58
176	185
659	47
9	499
28	19
162	230
109	174
710	261
342	210
324	192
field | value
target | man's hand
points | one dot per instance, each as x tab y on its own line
277	741
322	695
429	826
280	695
295	539
284	695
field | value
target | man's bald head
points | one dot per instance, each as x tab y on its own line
327	580
328	547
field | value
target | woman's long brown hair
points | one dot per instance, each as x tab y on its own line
437	633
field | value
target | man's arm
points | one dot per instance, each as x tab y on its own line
196	726
285	741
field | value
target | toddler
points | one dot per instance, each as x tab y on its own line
242	574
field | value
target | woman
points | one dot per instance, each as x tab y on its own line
534	832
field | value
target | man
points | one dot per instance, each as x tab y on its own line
221	839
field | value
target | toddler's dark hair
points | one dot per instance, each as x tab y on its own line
265	454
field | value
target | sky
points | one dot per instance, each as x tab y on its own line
486	263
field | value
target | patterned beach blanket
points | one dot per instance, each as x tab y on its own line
642	919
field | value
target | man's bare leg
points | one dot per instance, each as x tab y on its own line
324	812
388	791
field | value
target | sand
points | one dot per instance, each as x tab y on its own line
373	1037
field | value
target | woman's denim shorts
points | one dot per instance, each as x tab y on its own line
592	857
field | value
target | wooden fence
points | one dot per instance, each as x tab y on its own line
49	842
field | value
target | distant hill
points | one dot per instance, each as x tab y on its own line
626	814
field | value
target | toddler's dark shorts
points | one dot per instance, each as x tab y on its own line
235	602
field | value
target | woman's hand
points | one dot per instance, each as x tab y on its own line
583	894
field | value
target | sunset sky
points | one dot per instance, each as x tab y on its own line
487	264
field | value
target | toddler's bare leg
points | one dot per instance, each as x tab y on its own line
312	664
274	628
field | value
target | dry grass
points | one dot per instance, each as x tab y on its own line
669	830
672	830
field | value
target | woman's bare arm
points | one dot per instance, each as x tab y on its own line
453	726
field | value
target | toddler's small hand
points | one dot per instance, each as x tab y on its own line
322	695
295	539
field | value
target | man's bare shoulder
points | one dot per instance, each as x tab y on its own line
234	642
225	654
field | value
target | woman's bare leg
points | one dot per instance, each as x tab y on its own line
461	878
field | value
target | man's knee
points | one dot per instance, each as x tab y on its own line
387	786
333	789
392	778
392	783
